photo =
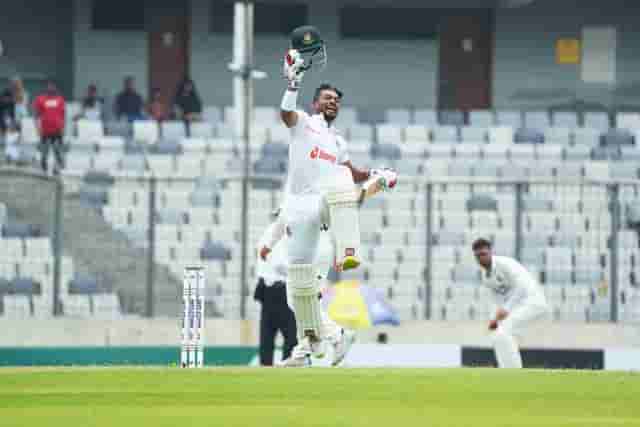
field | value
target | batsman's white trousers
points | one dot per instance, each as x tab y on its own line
504	337
333	203
304	215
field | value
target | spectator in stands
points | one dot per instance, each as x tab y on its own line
157	109
8	126
49	109
7	112
91	105
187	102
20	99
129	102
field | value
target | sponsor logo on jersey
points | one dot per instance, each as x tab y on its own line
318	153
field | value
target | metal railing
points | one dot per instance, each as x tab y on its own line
145	278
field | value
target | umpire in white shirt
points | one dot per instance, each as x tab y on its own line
271	292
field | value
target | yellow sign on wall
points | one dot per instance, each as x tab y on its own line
568	51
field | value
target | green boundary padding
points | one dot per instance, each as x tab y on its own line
84	356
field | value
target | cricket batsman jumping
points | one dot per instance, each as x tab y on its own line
321	188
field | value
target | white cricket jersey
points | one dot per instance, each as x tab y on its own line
511	283
274	269
315	151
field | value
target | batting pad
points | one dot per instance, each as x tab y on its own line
306	305
345	222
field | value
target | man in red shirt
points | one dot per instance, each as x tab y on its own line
50	110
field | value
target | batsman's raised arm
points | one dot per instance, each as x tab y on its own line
293	72
359	175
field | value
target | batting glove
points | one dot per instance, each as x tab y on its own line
293	68
388	178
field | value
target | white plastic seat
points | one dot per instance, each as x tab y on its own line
110	143
78	162
473	134
446	134
557	135
511	119
500	135
425	117
558	258
495	152
484	220
265	116
106	306
194	145
76	306
389	134
38	248
521	152
29	131
540	221
577	153
42	306
484	118
568	119
348	116
440	151
398	116
279	133
161	165
360	132
596	170
106	161
211	114
586	136
416	133
549	152
597	120
16	306
202	129
536	119
629	121
173	130
89	131
146	131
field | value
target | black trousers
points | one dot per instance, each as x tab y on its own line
275	316
54	142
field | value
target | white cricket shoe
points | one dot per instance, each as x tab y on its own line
301	354
342	345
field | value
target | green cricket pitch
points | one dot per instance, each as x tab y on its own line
242	397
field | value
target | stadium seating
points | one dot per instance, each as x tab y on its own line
198	218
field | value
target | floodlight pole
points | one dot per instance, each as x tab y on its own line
244	73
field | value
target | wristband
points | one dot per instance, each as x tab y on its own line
289	100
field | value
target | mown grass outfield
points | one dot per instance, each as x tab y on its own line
158	397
